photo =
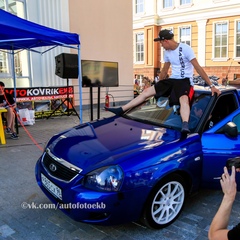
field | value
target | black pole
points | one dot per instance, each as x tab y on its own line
98	116
68	97
91	102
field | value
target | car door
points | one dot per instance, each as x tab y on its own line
217	148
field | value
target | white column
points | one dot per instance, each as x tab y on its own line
202	41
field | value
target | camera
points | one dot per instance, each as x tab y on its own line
233	162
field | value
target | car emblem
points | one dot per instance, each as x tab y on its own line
53	167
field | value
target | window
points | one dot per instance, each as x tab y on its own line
220	40
236	120
139	6
13	6
3	63
18	64
238	39
185	35
224	106
167	3
183	2
139	47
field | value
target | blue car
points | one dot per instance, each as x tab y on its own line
138	166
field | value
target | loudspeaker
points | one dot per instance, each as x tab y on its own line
66	65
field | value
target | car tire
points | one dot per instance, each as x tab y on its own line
165	202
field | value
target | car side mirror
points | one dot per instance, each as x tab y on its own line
230	130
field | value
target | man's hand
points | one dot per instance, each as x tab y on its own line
215	90
225	81
219	227
228	183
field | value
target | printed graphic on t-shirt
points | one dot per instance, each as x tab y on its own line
182	69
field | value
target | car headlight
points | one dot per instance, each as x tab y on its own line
104	179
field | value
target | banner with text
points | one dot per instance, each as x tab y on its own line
44	100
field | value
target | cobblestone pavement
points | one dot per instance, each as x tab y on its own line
18	187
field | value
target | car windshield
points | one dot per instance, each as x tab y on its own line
161	114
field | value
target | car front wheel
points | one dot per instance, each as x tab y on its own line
165	203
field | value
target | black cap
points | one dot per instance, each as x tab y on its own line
164	34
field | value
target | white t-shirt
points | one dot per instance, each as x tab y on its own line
180	61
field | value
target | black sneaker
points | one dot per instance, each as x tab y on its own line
8	131
185	128
14	136
118	111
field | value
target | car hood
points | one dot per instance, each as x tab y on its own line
109	141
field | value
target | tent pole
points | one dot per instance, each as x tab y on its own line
15	88
80	83
13	75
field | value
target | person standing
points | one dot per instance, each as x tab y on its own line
135	79
179	86
7	101
136	88
157	78
218	228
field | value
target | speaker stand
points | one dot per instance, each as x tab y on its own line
68	101
98	102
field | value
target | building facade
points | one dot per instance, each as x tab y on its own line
105	29
210	27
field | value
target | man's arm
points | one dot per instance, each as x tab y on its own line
218	228
204	76
10	102
164	71
2	104
11	106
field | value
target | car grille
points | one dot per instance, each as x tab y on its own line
59	168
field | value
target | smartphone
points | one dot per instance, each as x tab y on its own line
233	162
